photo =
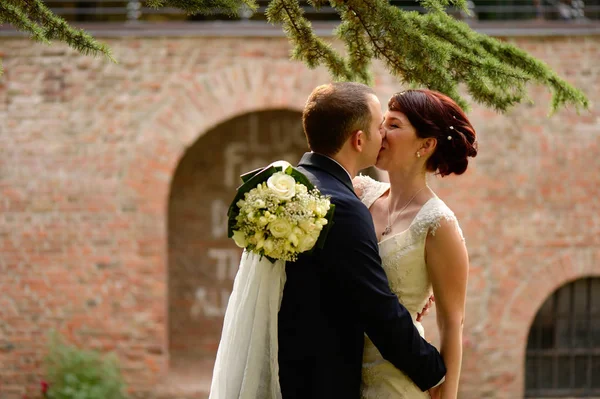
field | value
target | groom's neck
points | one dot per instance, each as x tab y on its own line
348	162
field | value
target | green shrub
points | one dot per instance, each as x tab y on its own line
73	373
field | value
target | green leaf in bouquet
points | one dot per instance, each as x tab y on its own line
301	178
323	236
248	175
257	178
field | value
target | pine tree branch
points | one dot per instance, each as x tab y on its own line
440	5
229	7
401	63
317	4
436	64
562	92
13	15
530	69
358	47
307	46
54	27
436	51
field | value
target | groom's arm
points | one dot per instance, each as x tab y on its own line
352	255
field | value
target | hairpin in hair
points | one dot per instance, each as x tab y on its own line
451	127
449	137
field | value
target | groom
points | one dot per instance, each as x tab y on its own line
335	295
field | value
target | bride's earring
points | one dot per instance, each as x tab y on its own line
418	155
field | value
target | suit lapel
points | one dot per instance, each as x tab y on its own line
328	165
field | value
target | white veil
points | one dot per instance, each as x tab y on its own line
247	364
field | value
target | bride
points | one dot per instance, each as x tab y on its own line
420	242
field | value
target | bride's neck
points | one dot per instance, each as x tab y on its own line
404	185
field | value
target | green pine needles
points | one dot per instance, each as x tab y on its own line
431	50
230	7
33	17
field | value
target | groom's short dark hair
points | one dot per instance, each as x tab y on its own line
333	112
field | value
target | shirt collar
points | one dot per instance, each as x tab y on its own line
341	166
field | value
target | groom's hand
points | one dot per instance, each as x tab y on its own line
425	310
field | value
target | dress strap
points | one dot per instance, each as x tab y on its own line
431	216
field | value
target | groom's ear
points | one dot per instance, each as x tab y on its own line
357	140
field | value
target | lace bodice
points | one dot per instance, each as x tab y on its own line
403	259
402	254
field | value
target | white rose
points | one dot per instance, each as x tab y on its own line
240	239
307	225
307	242
284	186
280	228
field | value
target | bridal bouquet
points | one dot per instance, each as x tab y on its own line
278	213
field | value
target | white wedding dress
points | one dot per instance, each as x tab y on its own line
403	259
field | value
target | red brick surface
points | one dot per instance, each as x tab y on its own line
108	179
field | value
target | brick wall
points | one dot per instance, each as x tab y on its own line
101	176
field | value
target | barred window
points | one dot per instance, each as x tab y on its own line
563	348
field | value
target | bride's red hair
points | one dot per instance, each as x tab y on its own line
434	114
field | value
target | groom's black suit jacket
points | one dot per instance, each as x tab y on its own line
336	295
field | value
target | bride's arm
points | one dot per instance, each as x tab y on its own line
448	265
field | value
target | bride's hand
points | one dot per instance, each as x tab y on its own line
435	392
425	310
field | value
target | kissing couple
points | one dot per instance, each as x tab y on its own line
348	325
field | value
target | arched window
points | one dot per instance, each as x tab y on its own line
563	348
202	261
